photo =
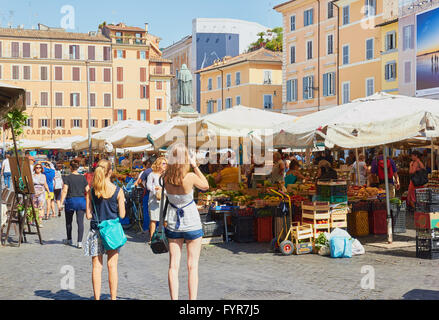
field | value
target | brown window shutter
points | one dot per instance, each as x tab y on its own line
103	123
80	123
39	123
71	123
138	114
141	92
124	114
148	118
147	91
147	54
138	54
115	53
86	123
124	54
115	114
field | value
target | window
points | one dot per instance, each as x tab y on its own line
91	52
144	92
308	90
15	49
292	23
330	10
120	115
29	123
238	78
229	103
308	17
43	73
330	43
143	55
329	84
268	101
74	52
120	91
370	87
309	50
26	73
370	8
120	54
238	100
369	49
390	40
119	40
159	85
59	99
75	100
75	74
346	54
59	123
142	115
92	74
43	51
44	101
138	36
28	98
408	37
106	123
407	72
76	123
107	99
210	106
158	104
93	123
92	99
26	50
267	77
218	82
44	123
209	84
292	54
58	73
228	80
107	53
107	75
291	90
15	72
390	71
58	51
219	105
346	94
345	15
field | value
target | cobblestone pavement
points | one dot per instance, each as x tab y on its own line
227	271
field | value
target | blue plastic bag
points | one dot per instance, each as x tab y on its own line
341	247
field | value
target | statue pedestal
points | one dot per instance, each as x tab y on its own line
185	112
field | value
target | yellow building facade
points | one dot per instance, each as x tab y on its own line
251	79
389	56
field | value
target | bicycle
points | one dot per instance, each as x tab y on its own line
133	206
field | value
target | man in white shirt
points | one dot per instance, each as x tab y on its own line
6	172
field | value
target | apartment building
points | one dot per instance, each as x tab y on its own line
251	79
389	56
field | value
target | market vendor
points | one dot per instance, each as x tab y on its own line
227	175
377	169
326	172
293	173
415	165
277	173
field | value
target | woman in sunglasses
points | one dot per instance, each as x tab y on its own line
40	186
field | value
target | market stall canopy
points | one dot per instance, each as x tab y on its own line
103	140
64	143
11	98
30	144
218	128
376	120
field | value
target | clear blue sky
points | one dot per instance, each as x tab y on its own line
169	19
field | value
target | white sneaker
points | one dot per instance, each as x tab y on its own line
79	245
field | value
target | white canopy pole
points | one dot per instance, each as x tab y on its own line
432	156
358	166
386	181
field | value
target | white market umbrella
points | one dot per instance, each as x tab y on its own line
64	143
30	144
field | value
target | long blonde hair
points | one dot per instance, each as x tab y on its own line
156	166
178	165
99	185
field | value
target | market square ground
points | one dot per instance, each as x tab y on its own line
227	271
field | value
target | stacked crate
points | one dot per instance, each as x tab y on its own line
378	218
427	223
339	213
335	191
358	220
317	214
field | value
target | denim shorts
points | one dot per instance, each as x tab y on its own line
189	235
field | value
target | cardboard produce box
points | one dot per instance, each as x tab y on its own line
426	220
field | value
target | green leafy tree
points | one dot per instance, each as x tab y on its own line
272	39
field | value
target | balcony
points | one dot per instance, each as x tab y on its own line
129	40
160	71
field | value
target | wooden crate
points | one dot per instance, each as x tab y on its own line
338	220
316	206
301	232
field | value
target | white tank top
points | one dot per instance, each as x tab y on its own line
190	221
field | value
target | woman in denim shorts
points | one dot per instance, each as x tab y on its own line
184	223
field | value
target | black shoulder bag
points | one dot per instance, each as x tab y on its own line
420	177
159	242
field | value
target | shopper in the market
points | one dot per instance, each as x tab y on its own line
351	158
40	188
143	178
58	186
50	196
293	174
155	192
73	193
184	223
277	173
325	171
362	167
377	169
415	165
6	171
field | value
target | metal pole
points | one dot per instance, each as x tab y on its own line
90	154
432	156
386	181
358	166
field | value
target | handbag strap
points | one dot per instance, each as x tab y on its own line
94	206
162	208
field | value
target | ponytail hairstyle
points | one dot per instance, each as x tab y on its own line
99	185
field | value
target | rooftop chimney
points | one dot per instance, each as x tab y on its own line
146	26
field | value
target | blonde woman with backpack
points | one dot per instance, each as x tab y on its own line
109	201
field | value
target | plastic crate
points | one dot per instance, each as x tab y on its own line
398	217
428	233
264	227
244	228
378	205
378	222
361	206
427	207
213	228
427	195
427	248
358	223
245	212
333	198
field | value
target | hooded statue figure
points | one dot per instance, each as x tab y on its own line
184	90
